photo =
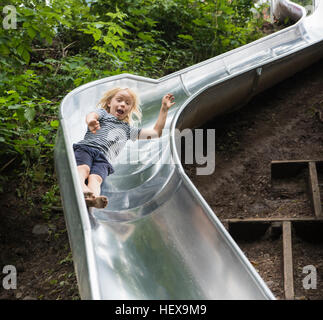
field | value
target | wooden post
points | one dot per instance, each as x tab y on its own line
288	261
315	191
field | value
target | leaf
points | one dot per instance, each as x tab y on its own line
20	114
14	107
150	22
98	25
35	130
31	142
97	34
20	49
4	50
106	39
23	52
118	14
31	32
27	11
113	40
30	114
145	36
131	25
54	123
26	56
200	22
78	81
186	37
28	142
41	139
49	39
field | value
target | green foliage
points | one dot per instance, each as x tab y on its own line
67	43
50	198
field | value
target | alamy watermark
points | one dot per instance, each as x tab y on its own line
9	281
192	147
310	281
10	17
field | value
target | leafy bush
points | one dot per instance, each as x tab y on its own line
60	46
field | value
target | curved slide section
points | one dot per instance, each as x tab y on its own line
158	238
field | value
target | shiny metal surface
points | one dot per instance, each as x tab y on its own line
158	238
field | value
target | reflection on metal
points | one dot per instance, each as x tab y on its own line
158	238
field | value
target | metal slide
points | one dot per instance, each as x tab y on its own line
158	238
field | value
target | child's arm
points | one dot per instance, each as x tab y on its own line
92	122
156	132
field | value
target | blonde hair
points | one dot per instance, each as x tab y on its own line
135	109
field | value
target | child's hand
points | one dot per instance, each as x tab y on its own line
94	125
168	101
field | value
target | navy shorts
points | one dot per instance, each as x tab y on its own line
94	158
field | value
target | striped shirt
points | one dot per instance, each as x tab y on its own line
112	135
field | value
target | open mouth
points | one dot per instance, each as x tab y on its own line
120	112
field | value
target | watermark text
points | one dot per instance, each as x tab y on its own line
310	281
10	19
9	281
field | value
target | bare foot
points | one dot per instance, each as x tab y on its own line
97	202
89	195
101	201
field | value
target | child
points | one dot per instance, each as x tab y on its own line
109	127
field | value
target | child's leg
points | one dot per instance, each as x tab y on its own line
94	184
84	162
84	172
85	158
92	189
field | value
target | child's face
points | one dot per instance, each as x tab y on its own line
121	104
